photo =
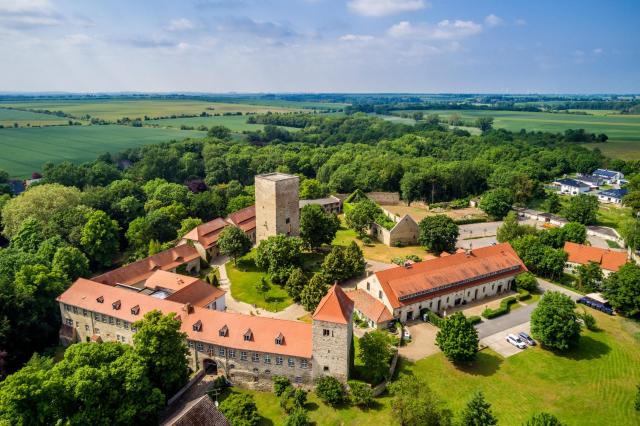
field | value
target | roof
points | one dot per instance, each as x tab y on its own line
207	233
276	176
605	173
16	186
369	306
201	412
615	193
199	293
320	201
589	179
297	335
139	271
571	182
244	219
607	259
434	277
335	306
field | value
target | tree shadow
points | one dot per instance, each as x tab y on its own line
263	421
485	364
311	406
587	349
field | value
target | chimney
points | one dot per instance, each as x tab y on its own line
188	308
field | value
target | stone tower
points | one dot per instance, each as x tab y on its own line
332	334
277	205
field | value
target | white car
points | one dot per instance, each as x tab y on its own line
516	341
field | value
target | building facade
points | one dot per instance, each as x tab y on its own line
277	205
608	260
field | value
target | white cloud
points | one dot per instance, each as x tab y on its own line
598	51
28	14
443	30
493	20
181	24
356	37
26	6
77	40
385	7
520	22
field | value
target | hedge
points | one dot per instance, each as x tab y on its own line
503	309
437	320
470	221
523	295
474	319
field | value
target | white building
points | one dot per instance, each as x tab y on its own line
608	176
572	186
613	196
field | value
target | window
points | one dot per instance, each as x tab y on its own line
292	362
280	339
267	359
126	325
368	286
278	360
197	326
134	329
75	310
68	321
135	310
67	307
118	323
96	331
326	368
116	305
298	379
255	357
248	335
379	294
304	364
96	316
112	320
287	220
84	312
200	346
221	351
231	353
86	327
100	299
191	344
326	332
105	319
243	355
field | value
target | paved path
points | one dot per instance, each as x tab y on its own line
476	235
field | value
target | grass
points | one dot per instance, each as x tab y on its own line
612	216
237	123
8	117
613	244
244	278
623	130
25	150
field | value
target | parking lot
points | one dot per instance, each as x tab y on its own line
498	341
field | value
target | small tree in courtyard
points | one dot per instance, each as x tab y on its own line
360	217
316	226
478	412
457	338
438	233
296	283
376	350
240	409
589	277
622	290
496	203
330	390
234	242
554	321
527	281
361	393
314	291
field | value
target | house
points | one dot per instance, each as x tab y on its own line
592	182
608	176
370	309
437	284
245	219
331	204
404	232
613	196
578	254
204	237
572	186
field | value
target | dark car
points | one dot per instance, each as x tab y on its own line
526	338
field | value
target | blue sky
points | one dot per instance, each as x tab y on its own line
561	46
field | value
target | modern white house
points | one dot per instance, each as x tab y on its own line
608	176
591	181
572	186
612	196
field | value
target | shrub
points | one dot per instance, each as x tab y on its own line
523	295
435	319
470	221
589	320
503	309
366	240
280	384
330	390
527	281
240	409
361	393
298	417
474	319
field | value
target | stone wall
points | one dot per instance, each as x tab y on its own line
332	349
277	206
384	198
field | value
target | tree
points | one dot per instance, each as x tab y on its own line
278	253
187	225
296	282
554	321
574	232
411	187
160	343
478	412
632	199
311	189
298	417
376	350
630	231
589	277
438	233
484	123
361	393
40	202
527	281
543	419
100	238
314	291
552	203
239	203
582	209
354	258
240	409
70	262
361	216
457	338
413	403
335	266
280	384
622	290
29	235
496	203
539	258
219	132
330	390
511	229
316	226
234	242
637	404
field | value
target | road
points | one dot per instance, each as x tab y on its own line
521	315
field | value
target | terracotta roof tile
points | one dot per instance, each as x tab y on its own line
335	306
201	412
423	280
370	307
244	219
207	233
607	259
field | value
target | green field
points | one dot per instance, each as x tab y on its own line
112	109
237	123
623	130
24	150
27	118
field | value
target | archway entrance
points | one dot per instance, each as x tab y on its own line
210	366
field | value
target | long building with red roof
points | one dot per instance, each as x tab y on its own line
437	284
608	260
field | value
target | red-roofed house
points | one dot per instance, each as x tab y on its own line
245	219
610	261
436	284
205	236
370	309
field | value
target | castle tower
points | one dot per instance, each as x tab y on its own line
332	331
277	205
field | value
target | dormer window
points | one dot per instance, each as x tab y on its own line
197	326
116	305
248	335
135	310
224	331
280	339
100	299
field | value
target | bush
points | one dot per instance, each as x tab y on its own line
589	320
470	220
435	319
366	240
503	309
527	281
330	390
240	409
523	295
474	319
298	417
361	393
280	384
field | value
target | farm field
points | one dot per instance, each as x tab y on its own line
623	130
24	150
237	123
111	109
27	118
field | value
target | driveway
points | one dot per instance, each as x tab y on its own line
423	341
475	235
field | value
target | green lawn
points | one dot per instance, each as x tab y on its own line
9	117
244	278
237	123
612	216
25	150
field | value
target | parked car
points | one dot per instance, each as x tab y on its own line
516	341
526	338
406	335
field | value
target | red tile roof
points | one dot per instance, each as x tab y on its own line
431	278
136	272
207	233
607	259
244	219
199	293
335	306
369	306
297	335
